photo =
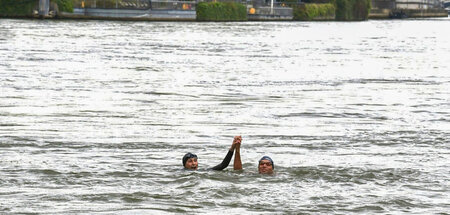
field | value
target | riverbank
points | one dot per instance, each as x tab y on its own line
187	11
180	15
262	14
406	13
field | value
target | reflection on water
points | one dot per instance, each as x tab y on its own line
95	116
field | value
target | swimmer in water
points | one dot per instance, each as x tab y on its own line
265	164
190	161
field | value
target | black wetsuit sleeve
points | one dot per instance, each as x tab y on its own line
225	161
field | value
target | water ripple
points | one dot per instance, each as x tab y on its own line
97	120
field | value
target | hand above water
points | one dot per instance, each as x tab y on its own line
236	142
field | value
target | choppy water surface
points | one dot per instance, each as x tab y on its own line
95	116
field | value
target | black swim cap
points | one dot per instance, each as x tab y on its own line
187	156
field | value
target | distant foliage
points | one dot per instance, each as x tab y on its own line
318	1
221	11
64	5
17	7
26	7
306	12
352	10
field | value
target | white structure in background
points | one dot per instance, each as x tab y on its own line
418	4
44	6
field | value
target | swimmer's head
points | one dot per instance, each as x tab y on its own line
190	161
265	165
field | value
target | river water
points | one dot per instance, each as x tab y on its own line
95	116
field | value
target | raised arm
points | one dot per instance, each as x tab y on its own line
227	159
237	157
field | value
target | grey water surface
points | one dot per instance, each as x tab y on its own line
95	116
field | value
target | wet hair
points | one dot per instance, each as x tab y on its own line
265	157
187	156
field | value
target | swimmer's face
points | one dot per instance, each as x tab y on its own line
265	167
191	164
